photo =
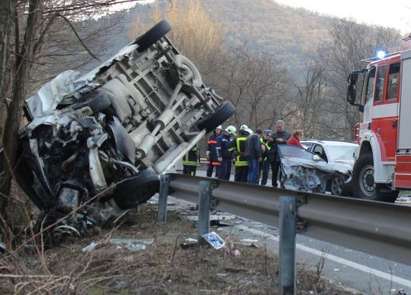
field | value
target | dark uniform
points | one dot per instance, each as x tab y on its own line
265	162
278	138
191	162
213	155
241	163
226	149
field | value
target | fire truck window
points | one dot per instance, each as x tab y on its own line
393	81
379	84
370	84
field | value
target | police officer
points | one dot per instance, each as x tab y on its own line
265	165
280	136
213	152
226	149
191	162
241	163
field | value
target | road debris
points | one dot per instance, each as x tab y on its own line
132	244
214	240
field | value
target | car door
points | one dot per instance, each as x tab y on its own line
319	150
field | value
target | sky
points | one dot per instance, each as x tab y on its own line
393	13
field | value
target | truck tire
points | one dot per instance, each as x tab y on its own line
363	184
223	113
153	35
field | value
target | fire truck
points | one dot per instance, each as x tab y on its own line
383	161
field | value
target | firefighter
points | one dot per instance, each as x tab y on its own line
241	163
212	152
191	162
265	165
226	148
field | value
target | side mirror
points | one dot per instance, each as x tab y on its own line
352	87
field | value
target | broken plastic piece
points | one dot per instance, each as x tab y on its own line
214	240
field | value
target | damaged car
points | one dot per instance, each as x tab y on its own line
95	144
302	170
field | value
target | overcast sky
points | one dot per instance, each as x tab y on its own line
393	13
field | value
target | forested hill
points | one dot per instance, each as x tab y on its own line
265	26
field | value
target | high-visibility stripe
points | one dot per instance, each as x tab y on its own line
212	142
215	163
239	162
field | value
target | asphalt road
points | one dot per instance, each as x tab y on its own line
349	268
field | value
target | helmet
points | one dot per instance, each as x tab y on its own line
219	127
244	127
231	130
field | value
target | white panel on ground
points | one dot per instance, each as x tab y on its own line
404	141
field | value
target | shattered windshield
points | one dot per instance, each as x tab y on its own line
290	151
341	152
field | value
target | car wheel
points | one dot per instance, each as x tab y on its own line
222	114
363	184
153	35
337	186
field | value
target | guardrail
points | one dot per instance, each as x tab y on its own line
377	228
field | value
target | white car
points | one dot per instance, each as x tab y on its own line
335	152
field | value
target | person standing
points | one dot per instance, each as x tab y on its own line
241	163
191	162
265	164
253	152
280	136
213	152
296	139
226	144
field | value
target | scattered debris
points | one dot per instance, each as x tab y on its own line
189	243
214	240
249	243
132	244
90	247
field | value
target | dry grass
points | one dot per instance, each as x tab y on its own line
163	268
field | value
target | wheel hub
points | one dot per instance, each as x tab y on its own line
367	180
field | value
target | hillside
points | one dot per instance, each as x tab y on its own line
291	34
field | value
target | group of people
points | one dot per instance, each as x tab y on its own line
253	154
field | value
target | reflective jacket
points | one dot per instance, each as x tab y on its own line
192	157
213	151
240	145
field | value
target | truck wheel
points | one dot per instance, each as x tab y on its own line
363	184
152	36
223	113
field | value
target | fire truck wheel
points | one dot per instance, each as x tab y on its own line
363	184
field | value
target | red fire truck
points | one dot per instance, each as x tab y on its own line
383	165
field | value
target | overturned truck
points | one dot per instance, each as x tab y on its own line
96	143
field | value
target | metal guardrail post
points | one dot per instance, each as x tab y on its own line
288	217
204	208
162	198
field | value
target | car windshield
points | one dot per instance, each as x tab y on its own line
291	151
341	152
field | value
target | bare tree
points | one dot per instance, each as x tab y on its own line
350	44
28	28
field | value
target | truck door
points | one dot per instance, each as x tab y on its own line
385	109
402	178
